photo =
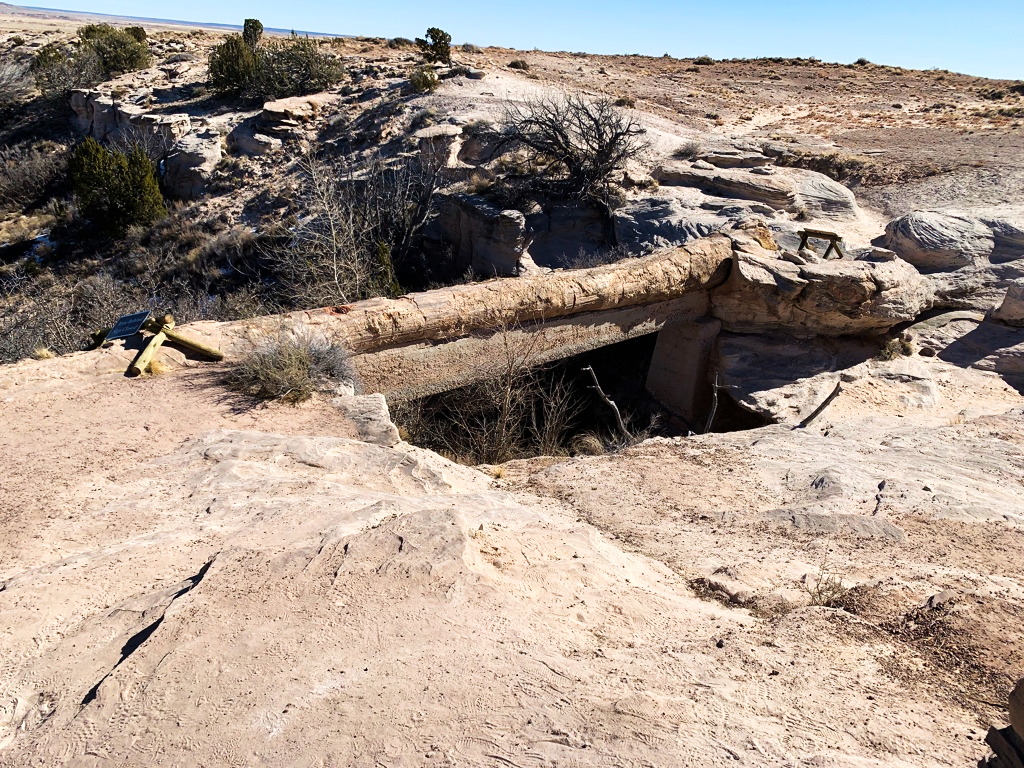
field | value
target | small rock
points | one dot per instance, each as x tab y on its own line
939	599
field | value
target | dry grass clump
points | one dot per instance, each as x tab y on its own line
424	79
290	369
688	151
588	444
895	348
520	409
826	588
15	80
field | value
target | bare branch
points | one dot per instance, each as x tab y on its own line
580	140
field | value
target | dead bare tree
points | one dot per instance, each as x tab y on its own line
517	409
578	141
359	225
153	142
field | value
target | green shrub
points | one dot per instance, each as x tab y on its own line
520	64
137	33
400	42
58	70
424	80
703	60
290	369
292	67
119	50
252	33
115	190
437	47
17	41
232	66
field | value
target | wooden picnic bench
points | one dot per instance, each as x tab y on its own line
820	234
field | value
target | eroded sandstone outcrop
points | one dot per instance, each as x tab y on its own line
1011	308
950	239
791	190
492	241
191	163
98	115
835	298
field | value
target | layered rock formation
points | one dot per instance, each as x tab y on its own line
766	293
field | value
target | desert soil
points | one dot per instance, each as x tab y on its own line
188	578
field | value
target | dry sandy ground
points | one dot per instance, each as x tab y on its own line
189	582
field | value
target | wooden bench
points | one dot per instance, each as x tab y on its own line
820	234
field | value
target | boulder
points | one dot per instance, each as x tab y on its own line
287	117
781	378
441	142
735	158
371	417
244	139
820	195
490	240
298	108
772	191
1011	311
792	190
662	220
832	298
938	240
1017	708
190	164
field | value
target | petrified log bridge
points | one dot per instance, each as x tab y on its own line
437	340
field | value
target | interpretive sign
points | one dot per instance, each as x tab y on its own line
127	325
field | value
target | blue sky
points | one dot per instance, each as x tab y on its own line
979	38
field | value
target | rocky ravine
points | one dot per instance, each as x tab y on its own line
191	581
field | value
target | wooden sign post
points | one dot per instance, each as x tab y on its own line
162	329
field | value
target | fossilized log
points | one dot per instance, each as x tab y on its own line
449	313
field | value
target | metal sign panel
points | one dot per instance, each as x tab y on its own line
127	325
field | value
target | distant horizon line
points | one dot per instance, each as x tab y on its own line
280	30
182	22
